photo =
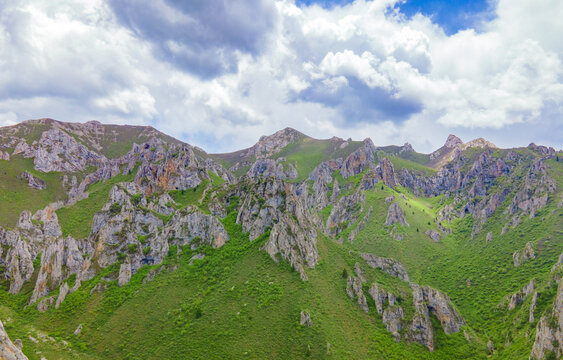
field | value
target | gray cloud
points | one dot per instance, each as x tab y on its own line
202	37
359	103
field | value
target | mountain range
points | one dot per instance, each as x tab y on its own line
120	241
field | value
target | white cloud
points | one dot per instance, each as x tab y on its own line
356	70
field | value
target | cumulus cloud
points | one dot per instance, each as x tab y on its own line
219	74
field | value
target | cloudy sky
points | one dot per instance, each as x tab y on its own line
221	73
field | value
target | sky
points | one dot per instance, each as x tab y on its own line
219	74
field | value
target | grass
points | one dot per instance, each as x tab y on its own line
236	301
306	153
189	196
16	195
400	163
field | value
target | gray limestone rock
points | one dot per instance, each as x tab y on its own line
32	181
390	266
434	235
305	319
393	317
124	274
63	291
8	350
354	289
395	215
523	255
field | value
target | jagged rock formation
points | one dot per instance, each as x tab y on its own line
275	168
146	219
390	266
269	145
549	330
395	215
518	297
8	350
359	160
427	299
521	256
32	181
354	289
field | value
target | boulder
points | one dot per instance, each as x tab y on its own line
305	319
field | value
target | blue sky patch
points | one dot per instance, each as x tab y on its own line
451	15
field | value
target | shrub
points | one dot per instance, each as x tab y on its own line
132	248
115	208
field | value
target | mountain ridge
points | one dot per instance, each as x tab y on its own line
374	229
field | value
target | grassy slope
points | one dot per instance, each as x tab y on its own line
477	275
235	303
16	195
306	153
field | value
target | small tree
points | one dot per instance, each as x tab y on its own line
344	274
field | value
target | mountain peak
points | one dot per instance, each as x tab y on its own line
270	144
453	141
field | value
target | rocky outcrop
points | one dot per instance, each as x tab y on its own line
4	155
427	299
354	289
45	303
380	297
305	319
361	224
518	297
406	148
61	258
393	317
273	168
489	237
283	208
543	150
58	151
534	192
270	145
360	160
520	256
32	181
434	235
344	213
63	291
145	233
8	351
395	215
390	266
296	244
420	329
124	274
549	330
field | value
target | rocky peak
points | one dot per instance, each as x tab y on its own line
269	145
406	148
453	141
480	143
